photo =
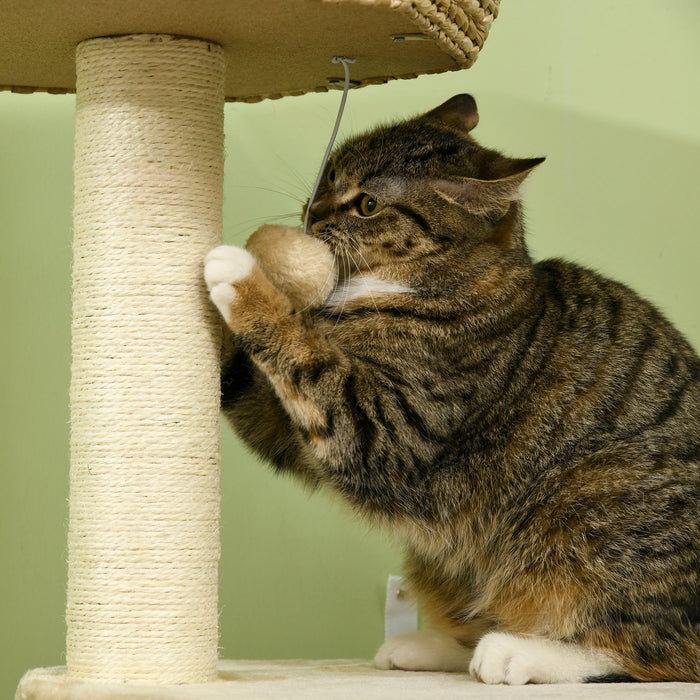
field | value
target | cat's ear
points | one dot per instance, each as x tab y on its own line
459	112
493	195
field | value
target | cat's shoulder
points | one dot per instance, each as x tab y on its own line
588	297
567	279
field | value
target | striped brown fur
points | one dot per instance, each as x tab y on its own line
530	430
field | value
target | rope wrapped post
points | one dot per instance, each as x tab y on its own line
144	505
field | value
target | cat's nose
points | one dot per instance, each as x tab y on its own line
318	211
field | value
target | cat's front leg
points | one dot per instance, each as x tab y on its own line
239	288
262	320
337	404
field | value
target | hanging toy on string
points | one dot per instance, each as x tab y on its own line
299	265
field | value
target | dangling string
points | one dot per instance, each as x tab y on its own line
345	61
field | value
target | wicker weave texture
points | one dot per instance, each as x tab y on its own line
459	27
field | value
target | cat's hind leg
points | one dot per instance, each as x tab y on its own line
423	651
516	660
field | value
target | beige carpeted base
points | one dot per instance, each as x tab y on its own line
330	680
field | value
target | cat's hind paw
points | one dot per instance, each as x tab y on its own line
422	651
223	267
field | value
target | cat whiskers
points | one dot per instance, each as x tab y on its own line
345	275
283	193
356	247
242	232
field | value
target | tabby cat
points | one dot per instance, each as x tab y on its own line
531	431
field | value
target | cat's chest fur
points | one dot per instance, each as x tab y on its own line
363	288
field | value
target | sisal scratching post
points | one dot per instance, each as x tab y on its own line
143	533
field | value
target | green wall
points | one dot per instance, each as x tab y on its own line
607	91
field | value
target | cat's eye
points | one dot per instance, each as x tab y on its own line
369	206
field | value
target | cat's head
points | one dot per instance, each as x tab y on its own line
418	190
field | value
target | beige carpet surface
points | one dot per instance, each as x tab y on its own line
331	680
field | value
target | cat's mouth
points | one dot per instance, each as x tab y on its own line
329	238
345	263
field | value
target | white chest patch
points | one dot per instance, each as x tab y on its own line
367	287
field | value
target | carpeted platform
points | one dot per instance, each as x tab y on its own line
332	680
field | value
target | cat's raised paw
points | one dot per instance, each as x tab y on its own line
422	651
223	267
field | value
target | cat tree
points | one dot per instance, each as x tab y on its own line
143	529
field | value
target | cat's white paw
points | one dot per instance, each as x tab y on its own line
422	651
507	658
500	658
223	267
